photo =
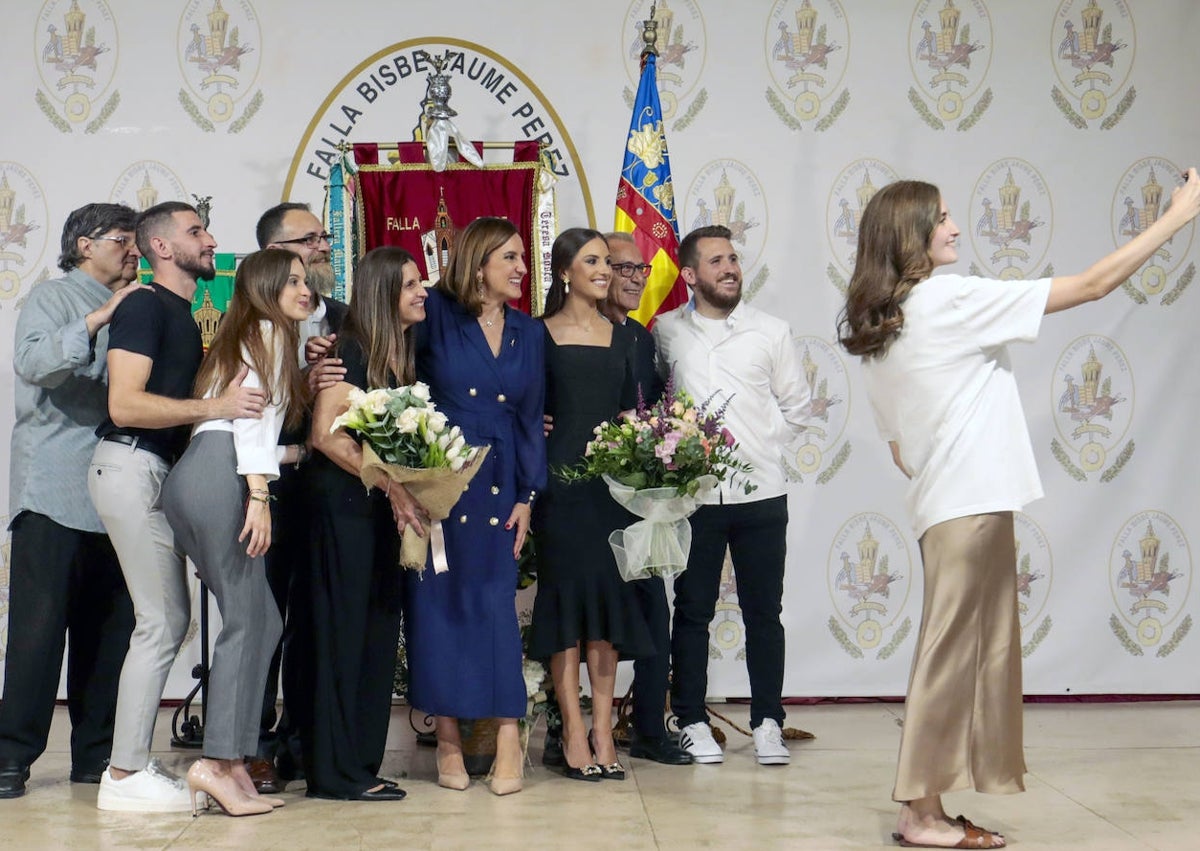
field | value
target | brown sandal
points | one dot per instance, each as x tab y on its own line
976	837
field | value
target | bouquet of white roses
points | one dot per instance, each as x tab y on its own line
407	440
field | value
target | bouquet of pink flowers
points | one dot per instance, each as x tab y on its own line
660	462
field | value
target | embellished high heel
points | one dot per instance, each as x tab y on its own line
614	770
224	790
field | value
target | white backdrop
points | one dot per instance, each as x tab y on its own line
1038	118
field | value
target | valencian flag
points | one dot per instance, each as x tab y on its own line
646	200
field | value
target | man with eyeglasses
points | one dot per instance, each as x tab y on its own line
292	227
64	576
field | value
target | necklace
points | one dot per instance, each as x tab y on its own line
490	322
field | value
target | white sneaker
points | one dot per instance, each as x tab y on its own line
151	790
768	744
697	739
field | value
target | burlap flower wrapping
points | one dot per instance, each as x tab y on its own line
437	489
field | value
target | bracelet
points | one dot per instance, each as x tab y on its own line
265	500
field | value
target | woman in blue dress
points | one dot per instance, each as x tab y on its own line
483	361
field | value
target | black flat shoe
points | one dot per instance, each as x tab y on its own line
12	778
88	773
612	771
389	792
661	750
391	784
589	773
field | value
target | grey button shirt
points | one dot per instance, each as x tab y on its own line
61	396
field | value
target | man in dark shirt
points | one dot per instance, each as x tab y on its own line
154	352
650	675
64	573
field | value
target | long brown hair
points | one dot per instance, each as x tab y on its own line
472	247
260	279
893	257
567	246
374	317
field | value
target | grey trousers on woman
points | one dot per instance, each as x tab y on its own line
204	499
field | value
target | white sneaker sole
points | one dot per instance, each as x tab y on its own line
707	759
124	805
774	760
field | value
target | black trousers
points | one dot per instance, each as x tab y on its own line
355	591
756	535
651	673
286	569
62	581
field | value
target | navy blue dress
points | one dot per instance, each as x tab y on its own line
463	642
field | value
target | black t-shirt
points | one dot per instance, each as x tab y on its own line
158	324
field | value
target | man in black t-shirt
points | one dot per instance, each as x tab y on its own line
154	352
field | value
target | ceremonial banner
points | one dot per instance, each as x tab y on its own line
342	226
646	200
407	204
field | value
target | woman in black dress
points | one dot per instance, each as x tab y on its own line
583	611
354	575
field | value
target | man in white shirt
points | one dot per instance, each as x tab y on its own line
729	353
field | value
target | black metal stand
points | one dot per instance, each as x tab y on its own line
187	730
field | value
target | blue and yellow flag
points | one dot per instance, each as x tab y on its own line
646	200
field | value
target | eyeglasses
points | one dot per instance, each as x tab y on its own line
626	270
312	240
122	240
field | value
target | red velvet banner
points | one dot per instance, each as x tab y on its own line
408	204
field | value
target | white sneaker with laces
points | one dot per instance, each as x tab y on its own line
151	790
768	744
697	739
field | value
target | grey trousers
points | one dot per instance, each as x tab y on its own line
204	499
126	484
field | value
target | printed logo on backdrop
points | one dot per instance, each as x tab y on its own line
1092	391
75	49
680	43
220	53
1140	198
380	100
727	632
146	183
1011	220
869	576
1035	572
1092	49
726	192
808	49
854	187
1150	575
819	453
950	50
23	216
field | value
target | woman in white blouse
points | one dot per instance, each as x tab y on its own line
218	505
940	381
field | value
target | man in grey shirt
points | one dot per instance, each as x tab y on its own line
64	574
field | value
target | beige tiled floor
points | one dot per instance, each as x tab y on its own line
1121	776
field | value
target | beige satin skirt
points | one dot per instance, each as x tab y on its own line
962	722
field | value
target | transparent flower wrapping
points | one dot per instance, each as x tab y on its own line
660	462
